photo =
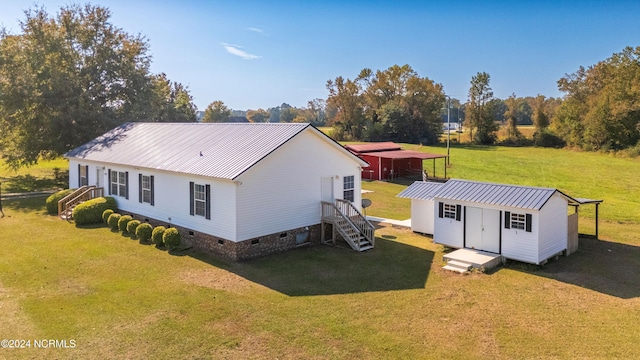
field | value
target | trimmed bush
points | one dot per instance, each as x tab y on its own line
106	214
123	221
132	226
156	235
113	221
171	238
143	232
52	201
90	211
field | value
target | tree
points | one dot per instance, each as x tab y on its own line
65	80
479	112
170	102
216	112
511	115
258	116
345	97
540	118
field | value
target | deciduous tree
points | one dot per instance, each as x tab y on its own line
479	112
216	112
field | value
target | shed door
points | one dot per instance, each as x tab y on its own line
326	192
482	229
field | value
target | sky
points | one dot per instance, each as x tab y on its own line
260	54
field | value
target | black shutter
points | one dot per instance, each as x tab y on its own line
79	176
86	168
208	204
109	182
440	210
458	212
507	219
139	187
126	185
152	191
528	223
191	195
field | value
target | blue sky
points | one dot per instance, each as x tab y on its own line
259	54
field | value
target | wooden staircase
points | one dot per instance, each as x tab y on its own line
80	195
349	223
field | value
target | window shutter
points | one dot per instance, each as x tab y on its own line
507	219
86	168
440	210
140	188
126	185
79	176
191	195
109	182
152	191
528	223
458	212
208	204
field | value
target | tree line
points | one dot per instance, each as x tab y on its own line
68	78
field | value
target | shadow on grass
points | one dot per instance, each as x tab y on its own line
603	266
326	270
30	183
31	204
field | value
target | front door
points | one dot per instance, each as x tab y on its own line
482	229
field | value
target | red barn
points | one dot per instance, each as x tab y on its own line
388	161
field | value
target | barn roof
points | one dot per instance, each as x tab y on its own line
524	197
220	150
421	190
372	147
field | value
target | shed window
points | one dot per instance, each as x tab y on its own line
119	183
348	187
450	211
517	221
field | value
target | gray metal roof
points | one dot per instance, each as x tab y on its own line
524	197
220	150
421	190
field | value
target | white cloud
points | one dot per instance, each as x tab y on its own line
258	30
236	50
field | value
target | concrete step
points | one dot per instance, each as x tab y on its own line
456	265
456	269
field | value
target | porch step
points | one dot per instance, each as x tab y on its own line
457	266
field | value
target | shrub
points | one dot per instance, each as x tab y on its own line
113	221
171	238
156	235
90	211
132	226
52	201
143	232
546	138
123	221
106	214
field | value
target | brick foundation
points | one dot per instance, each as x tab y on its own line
243	250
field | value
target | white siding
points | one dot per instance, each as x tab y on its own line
554	227
422	216
519	244
283	191
448	232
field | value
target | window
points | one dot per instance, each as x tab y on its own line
145	189
119	183
83	175
348	187
200	196
517	221
449	211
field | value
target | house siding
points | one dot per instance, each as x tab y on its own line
448	232
283	191
519	244
422	216
553	235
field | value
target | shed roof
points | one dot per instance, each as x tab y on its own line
421	190
372	147
220	150
404	154
524	197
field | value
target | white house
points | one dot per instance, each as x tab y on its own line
523	223
422	205
235	190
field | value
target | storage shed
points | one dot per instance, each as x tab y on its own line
387	161
524	223
422	204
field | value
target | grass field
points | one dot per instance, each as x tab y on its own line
117	298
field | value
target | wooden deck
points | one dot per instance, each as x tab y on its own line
463	260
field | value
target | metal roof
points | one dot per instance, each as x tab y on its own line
524	197
421	190
220	150
376	146
403	154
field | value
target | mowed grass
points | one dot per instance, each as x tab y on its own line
119	299
35	178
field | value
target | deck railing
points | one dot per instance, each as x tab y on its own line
82	194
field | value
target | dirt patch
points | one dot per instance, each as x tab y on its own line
219	280
15	323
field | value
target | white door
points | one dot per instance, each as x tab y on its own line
482	229
326	191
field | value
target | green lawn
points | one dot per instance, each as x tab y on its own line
117	298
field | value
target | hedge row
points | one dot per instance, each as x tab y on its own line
160	235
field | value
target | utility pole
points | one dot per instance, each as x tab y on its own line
448	126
